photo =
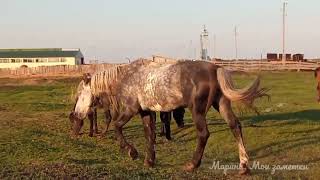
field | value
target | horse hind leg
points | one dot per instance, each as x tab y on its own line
233	122
199	119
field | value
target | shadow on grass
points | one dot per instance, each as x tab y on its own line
302	132
283	146
87	162
38	134
311	115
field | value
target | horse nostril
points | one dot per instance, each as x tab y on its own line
75	115
71	114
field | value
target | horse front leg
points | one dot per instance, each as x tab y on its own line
95	123
91	120
149	123
118	125
233	122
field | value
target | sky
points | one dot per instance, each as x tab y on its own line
114	30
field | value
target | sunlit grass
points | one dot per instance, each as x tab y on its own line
35	140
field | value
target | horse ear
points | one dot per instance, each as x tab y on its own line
86	78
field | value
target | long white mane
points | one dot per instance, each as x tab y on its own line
102	82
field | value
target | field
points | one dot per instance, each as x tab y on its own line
35	140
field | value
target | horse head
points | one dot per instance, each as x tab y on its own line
85	97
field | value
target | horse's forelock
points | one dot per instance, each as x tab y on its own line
86	77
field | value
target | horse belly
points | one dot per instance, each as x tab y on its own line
148	103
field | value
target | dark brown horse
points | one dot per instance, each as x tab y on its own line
317	76
143	87
100	101
165	117
76	124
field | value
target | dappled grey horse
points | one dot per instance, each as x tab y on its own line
102	101
144	86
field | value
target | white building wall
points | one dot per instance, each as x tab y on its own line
67	61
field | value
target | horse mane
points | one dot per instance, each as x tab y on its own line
104	82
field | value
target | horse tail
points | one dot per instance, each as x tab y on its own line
246	95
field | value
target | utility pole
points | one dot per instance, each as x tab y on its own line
236	41
214	46
190	54
284	32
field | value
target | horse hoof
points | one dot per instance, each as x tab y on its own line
133	153
104	134
181	126
189	167
148	164
75	135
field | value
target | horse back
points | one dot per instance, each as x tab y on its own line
168	86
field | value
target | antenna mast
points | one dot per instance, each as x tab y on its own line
204	43
284	32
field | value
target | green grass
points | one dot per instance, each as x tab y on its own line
35	140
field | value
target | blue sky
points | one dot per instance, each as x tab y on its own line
115	29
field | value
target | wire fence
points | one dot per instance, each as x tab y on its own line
77	70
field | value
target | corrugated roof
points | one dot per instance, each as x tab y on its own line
34	53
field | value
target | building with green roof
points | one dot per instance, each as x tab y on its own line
16	58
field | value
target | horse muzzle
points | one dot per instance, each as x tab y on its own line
78	116
76	123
